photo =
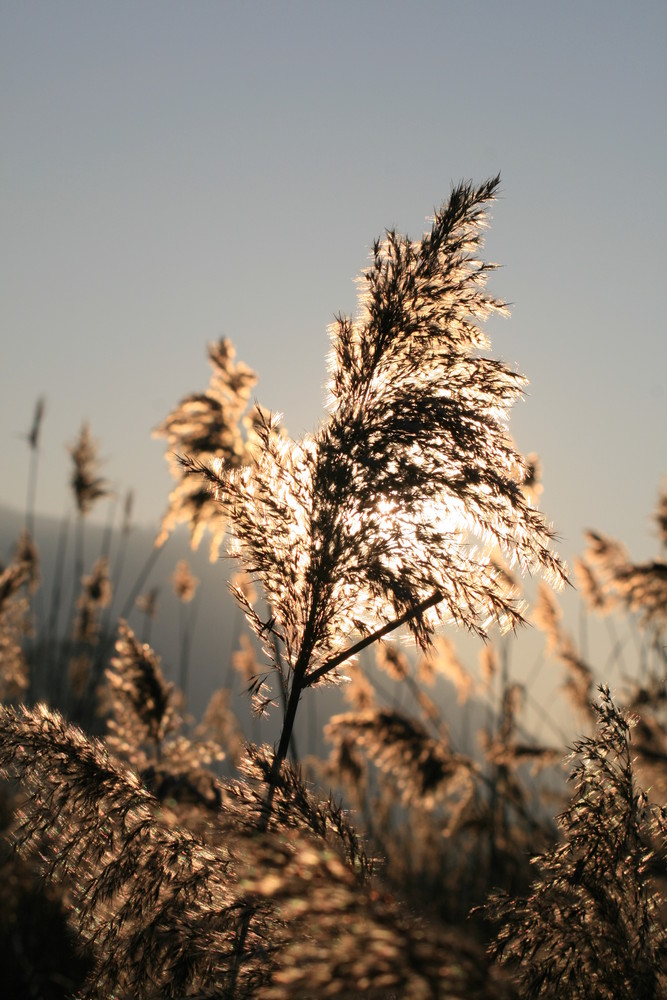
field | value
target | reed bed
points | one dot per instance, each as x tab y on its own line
182	859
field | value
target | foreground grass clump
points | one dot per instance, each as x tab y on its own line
593	925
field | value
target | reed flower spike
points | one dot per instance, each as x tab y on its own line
206	425
88	486
390	512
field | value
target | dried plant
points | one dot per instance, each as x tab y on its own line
391	513
488	659
14	625
548	616
579	679
38	416
450	826
145	727
147	603
639	587
95	595
185	585
359	691
591	927
612	584
589	587
184	582
142	710
392	660
422	767
27	554
368	524
87	484
442	659
220	724
409	506
137	883
159	908
244	662
208	426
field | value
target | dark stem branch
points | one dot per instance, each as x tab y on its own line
368	640
300	681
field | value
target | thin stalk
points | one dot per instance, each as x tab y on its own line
335	661
108	528
182	653
105	618
229	673
184	628
117	574
79	563
583	631
283	697
107	636
32	491
279	756
285	736
140	581
51	636
36	601
301	680
497	818
105	626
146	630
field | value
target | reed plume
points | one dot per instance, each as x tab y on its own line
184	582
88	486
146	728
369	522
142	712
26	553
95	595
14	626
208	426
422	767
638	587
147	604
591	926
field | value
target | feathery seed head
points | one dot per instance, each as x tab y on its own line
38	416
184	581
87	485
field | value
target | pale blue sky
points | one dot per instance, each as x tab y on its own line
175	172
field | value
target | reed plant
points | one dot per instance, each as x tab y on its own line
593	924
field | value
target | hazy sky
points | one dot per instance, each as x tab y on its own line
175	172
